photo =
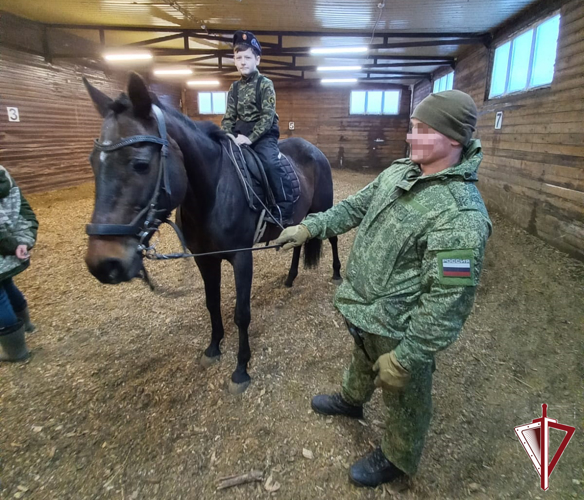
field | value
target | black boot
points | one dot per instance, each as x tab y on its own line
334	404
25	317
374	469
12	343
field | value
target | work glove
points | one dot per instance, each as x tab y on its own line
391	376
293	236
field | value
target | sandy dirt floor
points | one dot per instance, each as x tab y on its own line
113	403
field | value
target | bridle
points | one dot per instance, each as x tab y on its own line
147	221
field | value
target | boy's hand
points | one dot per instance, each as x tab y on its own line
22	252
242	139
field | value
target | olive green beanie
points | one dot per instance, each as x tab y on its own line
452	113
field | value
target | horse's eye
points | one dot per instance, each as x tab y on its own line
141	166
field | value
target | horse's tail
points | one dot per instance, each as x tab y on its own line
312	252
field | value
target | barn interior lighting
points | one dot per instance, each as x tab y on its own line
176	71
316	51
134	56
202	83
339	68
338	80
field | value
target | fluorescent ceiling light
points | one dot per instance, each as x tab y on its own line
202	82
128	57
177	71
338	80
337	50
339	68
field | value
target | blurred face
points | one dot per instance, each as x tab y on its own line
246	62
428	145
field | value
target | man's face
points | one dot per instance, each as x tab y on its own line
428	145
246	62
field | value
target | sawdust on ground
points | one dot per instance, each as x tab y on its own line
113	403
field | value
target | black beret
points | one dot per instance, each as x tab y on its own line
247	38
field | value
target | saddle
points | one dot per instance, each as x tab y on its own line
253	177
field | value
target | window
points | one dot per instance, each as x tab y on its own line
444	83
527	61
374	102
212	103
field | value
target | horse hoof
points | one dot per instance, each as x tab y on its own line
337	281
207	362
288	284
236	389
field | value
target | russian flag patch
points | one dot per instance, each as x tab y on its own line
456	268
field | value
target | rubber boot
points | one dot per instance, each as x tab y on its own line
24	315
12	343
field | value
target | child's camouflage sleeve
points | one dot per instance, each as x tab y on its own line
268	95
230	117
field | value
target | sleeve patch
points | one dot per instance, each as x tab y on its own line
456	267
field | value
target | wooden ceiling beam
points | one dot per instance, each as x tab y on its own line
301	34
151	41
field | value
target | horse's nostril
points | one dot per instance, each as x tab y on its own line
111	271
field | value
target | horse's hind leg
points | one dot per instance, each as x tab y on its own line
211	272
337	279
293	267
243	269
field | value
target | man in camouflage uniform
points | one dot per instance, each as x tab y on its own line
251	117
411	277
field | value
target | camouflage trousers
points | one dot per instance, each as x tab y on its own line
408	412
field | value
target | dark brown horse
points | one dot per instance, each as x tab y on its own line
151	159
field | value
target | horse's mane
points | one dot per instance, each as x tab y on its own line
214	132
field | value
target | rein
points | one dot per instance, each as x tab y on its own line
151	253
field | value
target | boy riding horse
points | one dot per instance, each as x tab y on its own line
251	117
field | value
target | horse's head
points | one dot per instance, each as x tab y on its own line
139	179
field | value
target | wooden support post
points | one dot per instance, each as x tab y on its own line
183	100
47	46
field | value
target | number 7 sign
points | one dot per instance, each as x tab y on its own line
498	120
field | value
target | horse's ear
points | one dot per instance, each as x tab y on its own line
154	99
139	96
100	100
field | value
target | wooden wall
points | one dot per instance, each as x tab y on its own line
533	168
321	116
49	147
421	89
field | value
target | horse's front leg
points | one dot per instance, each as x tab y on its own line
211	272
243	269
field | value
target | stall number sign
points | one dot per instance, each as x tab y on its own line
498	120
13	115
290	125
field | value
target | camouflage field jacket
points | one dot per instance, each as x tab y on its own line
417	255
